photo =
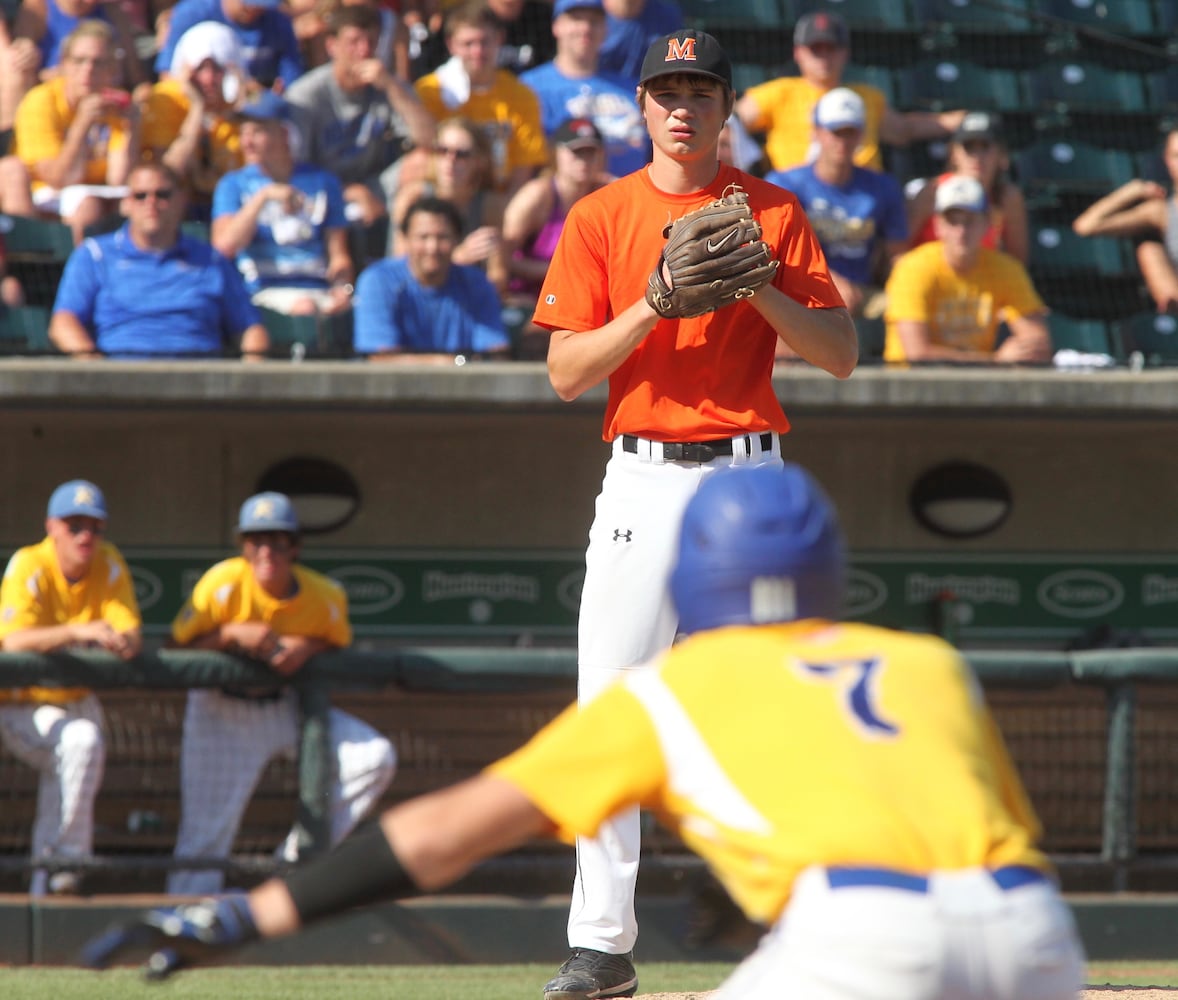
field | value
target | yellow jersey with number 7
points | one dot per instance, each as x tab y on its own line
770	749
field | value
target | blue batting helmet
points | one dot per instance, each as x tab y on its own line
756	546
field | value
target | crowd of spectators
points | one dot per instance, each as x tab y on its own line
297	134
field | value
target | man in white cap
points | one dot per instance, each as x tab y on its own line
783	107
857	213
265	605
946	298
70	590
188	122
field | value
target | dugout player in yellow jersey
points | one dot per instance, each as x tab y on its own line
267	606
70	590
846	783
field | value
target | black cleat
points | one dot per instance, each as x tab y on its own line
589	975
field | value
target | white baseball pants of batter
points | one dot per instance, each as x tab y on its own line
966	938
64	743
227	744
626	618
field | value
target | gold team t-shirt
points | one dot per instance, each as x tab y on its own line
786	115
961	310
228	593
35	593
772	749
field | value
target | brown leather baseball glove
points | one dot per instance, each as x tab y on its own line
713	257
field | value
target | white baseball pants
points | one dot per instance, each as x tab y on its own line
965	938
64	743
228	742
626	618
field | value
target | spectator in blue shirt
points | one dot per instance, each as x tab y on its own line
147	290
630	27
573	85
266	32
423	307
857	214
283	221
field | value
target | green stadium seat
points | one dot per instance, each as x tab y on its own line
880	77
746	75
860	14
1090	336
872	333
969	13
1153	335
942	84
25	330
1132	17
1162	89
40	237
719	15
1058	250
1077	84
292	337
1071	165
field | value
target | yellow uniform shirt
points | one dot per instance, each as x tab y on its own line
42	119
509	113
961	310
775	748
35	594
220	147
786	107
228	592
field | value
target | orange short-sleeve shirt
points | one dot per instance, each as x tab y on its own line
690	379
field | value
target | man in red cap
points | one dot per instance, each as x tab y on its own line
784	108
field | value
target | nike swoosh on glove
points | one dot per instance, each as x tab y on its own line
176	936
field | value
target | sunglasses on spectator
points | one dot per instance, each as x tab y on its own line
77	527
457	152
160	194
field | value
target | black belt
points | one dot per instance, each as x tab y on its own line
697	451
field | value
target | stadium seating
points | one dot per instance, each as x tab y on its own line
720	15
1131	17
1059	164
24	330
1079	84
37	236
1153	335
859	13
872	333
293	337
966	13
943	84
1058	250
1091	336
879	77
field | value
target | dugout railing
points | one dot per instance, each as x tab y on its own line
1092	733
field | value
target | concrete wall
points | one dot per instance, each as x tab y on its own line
500	462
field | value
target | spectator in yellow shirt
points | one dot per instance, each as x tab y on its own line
77	135
946	298
471	84
784	108
71	590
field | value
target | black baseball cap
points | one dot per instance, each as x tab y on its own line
822	26
687	51
979	125
577	133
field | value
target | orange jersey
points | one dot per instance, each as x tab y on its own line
690	379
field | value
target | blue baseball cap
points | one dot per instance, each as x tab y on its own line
77	498
564	6
265	107
268	512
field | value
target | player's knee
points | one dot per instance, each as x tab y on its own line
81	739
